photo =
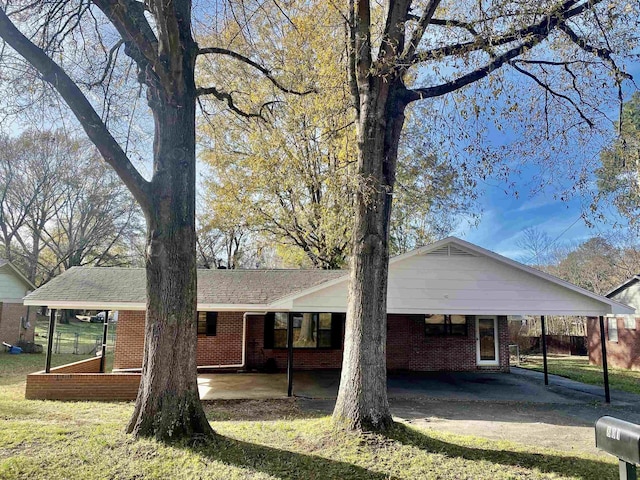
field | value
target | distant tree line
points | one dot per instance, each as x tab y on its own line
598	264
61	207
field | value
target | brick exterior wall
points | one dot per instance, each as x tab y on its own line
408	348
625	353
225	348
11	325
82	386
129	340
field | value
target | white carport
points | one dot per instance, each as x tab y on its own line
455	277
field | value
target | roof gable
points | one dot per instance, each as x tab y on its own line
455	276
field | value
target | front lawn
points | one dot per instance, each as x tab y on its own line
255	440
579	369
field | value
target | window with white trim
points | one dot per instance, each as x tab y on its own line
630	322
613	329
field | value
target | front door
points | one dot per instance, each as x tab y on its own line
487	340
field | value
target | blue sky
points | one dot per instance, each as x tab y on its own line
505	215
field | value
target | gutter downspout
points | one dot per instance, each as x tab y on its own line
244	345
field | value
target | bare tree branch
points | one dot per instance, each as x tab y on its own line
421	27
82	109
141	43
228	99
602	53
558	15
552	91
478	74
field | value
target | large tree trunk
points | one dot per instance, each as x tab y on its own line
168	406
362	398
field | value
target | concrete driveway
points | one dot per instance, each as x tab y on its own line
519	386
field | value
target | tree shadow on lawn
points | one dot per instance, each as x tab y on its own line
547	463
283	464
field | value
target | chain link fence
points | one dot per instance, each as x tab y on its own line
78	342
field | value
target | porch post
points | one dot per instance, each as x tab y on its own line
605	368
290	355
103	360
52	323
544	350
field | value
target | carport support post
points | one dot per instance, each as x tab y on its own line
290	356
627	471
52	324
103	360
544	350
605	368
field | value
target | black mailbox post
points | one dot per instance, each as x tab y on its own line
621	439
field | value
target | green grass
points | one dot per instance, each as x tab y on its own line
256	440
579	369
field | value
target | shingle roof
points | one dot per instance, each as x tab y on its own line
3	262
108	285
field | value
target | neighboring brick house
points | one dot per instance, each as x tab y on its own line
447	310
15	323
621	331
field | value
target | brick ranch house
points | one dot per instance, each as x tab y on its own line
447	310
15	324
621	331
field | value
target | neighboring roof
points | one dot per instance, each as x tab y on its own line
623	286
6	264
113	287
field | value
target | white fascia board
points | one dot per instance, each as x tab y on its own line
475	311
63	305
623	285
214	307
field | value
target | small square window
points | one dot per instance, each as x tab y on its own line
630	322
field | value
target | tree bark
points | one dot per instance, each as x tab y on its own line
362	402
168	405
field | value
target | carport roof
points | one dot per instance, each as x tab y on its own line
114	287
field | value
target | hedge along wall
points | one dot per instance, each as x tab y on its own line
82	381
